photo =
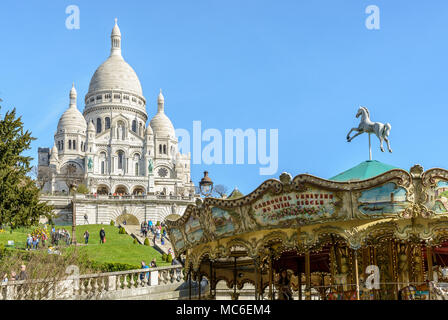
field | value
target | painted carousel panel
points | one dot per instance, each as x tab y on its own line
193	230
223	222
438	200
178	239
309	206
385	199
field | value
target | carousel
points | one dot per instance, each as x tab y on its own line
371	232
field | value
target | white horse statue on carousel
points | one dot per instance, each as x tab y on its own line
367	126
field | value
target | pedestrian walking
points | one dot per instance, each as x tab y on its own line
86	237
102	236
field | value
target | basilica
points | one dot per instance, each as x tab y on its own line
125	165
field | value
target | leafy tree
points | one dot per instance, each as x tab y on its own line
19	194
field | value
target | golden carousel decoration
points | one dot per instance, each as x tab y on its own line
371	232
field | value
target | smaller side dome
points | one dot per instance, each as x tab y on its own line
149	131
161	124
72	119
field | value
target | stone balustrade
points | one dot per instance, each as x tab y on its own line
48	197
111	285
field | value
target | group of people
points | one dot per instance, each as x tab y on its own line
144	266
32	242
60	235
159	230
21	276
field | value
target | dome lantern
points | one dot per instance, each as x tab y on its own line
73	96
160	102
115	39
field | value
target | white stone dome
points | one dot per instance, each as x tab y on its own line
72	119
115	73
161	125
149	131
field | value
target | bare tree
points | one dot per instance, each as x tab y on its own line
40	175
71	177
220	190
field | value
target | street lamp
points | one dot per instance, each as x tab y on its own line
206	185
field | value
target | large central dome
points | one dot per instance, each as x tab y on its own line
115	73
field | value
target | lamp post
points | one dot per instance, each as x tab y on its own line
206	185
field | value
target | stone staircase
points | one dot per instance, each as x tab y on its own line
134	231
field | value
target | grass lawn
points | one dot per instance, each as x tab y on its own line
118	247
18	235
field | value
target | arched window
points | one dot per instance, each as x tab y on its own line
120	159
160	148
62	145
59	145
98	125
136	166
74	144
69	144
107	123
134	126
164	149
103	162
140	130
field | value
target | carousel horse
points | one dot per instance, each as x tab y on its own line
438	292
416	293
366	126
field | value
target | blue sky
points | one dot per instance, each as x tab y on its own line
302	67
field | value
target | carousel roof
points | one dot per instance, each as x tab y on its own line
235	194
364	170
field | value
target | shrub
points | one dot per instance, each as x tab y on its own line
112	222
164	256
121	230
116	266
146	243
135	241
169	258
82	188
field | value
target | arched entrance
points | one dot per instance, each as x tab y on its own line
121	190
128	219
102	190
138	190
